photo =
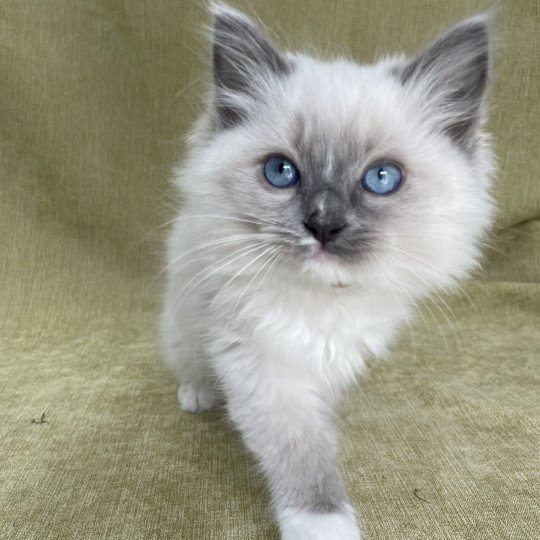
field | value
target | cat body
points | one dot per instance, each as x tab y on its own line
321	201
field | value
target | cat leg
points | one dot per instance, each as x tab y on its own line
197	388
287	426
184	356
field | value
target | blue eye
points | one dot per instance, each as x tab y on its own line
382	179
280	172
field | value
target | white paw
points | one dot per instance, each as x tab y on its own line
194	398
298	525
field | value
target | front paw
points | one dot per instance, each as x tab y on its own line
195	398
302	525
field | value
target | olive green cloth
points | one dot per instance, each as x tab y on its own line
439	442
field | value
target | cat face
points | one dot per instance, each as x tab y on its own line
372	176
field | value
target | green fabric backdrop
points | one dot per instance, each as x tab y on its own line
94	99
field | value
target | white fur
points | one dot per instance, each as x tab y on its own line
308	526
196	398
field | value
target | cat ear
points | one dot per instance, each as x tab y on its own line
452	74
244	61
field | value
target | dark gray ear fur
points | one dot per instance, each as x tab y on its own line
242	59
453	72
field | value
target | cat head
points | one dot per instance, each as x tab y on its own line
368	175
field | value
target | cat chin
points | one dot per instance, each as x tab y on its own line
323	257
327	269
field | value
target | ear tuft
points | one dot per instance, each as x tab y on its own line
452	74
243	62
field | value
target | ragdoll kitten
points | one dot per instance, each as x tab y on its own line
321	199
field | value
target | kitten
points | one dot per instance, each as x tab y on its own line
320	201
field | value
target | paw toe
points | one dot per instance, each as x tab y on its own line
194	398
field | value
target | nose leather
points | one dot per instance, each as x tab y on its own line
325	216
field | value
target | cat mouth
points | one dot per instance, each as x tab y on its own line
327	266
322	256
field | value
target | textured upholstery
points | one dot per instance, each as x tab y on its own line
441	441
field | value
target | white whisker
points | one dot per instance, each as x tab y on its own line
244	268
252	280
216	244
208	272
255	220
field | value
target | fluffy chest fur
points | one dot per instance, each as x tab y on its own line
323	334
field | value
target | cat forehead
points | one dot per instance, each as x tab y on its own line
332	112
329	150
341	95
347	77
